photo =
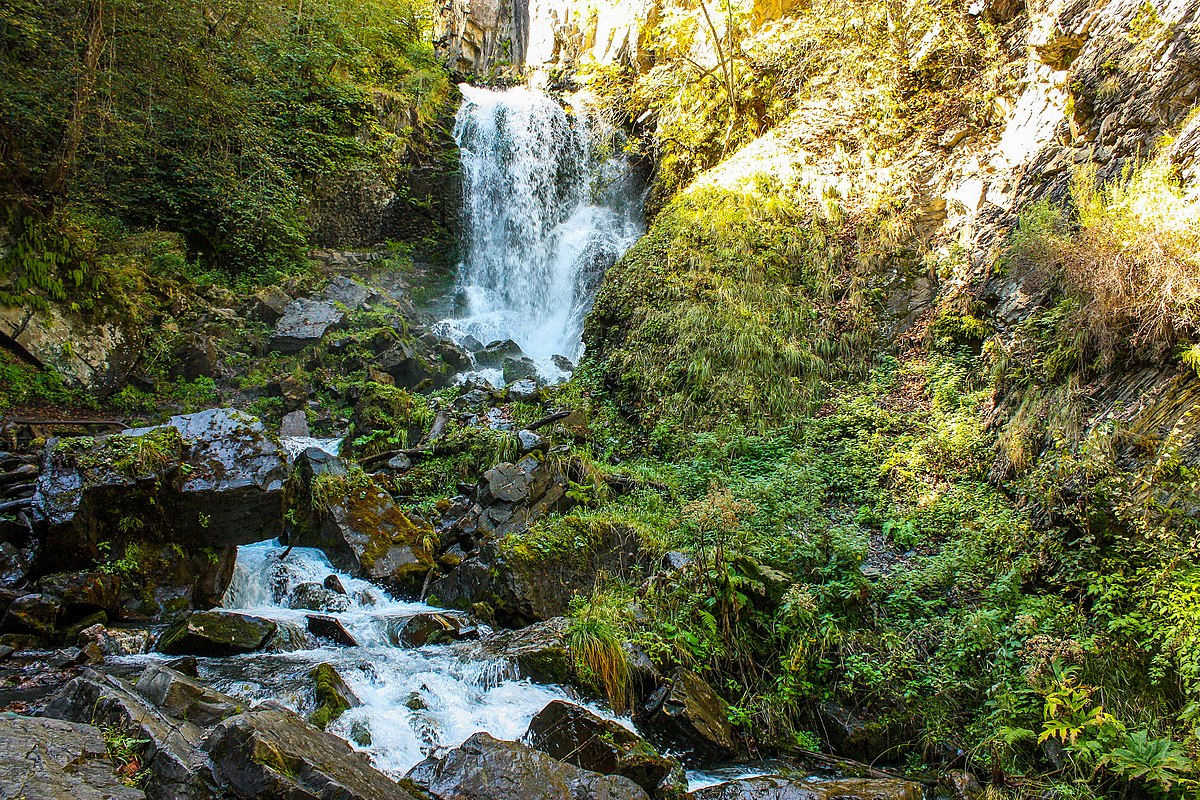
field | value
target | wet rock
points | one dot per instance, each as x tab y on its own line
530	441
315	597
517	369
687	715
563	363
539	651
207	480
510	483
573	734
49	759
98	642
216	633
83	592
494	354
334	696
303	323
473	398
182	697
184	664
427	628
524	391
268	304
334	584
14	564
853	735
471	344
295	423
484	768
314	461
370	535
453	356
275	755
346	291
32	613
772	787
330	628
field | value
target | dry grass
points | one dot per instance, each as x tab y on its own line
1134	262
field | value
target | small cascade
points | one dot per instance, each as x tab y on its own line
549	204
413	699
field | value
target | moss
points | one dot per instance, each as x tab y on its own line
331	703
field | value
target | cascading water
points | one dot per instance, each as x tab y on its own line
413	699
548	206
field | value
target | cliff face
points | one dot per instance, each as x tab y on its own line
506	39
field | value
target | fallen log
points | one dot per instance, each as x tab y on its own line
544	421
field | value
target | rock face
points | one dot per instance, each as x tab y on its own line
687	715
771	787
275	755
573	734
184	698
49	759
216	633
304	322
85	354
484	768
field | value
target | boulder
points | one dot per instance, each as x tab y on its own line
330	628
216	633
294	424
538	652
49	759
334	696
563	363
687	716
98	642
315	597
83	592
32	613
428	628
772	787
303	323
346	291
530	441
212	479
493	354
268	304
272	754
370	535
334	584
524	390
195	356
573	734
484	768
519	369
182	697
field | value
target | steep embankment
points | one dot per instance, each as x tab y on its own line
912	341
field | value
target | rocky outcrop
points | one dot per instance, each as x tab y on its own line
686	715
275	755
88	355
333	695
510	37
49	759
573	734
771	787
484	768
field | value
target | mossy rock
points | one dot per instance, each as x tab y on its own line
216	633
334	696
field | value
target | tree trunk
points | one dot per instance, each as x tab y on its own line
85	86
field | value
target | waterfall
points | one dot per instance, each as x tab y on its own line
549	204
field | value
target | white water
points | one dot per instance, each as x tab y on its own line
547	209
461	694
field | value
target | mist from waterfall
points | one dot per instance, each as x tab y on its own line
549	203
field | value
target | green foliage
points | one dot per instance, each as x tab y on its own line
596	644
125	753
225	122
